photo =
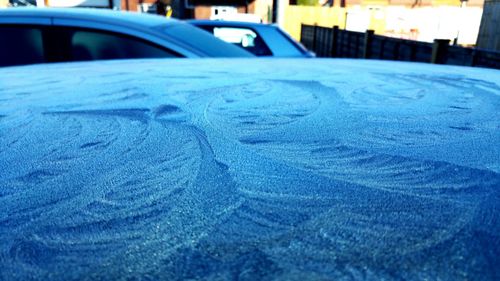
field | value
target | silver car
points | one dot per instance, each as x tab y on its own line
263	40
38	35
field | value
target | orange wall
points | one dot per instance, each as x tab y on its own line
202	12
131	5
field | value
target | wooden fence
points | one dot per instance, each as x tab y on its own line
334	42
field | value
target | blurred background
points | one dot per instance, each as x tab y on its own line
472	23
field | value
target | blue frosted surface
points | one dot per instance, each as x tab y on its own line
250	170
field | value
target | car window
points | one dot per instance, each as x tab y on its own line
244	38
199	39
21	45
36	44
96	45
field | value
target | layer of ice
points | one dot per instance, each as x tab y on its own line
249	169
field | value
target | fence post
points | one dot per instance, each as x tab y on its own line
439	50
335	39
315	28
368	43
302	33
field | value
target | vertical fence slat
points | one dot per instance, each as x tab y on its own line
473	58
413	52
395	52
382	48
358	45
314	38
322	41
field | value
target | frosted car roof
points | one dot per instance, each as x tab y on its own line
311	169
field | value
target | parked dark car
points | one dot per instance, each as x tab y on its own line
40	35
257	38
292	169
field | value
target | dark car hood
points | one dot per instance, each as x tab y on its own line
258	169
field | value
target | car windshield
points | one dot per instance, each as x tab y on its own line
200	39
280	43
242	37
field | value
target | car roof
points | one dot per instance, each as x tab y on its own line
288	169
105	15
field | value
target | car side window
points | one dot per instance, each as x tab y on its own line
97	45
21	45
245	38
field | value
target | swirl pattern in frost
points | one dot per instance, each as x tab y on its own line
249	169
